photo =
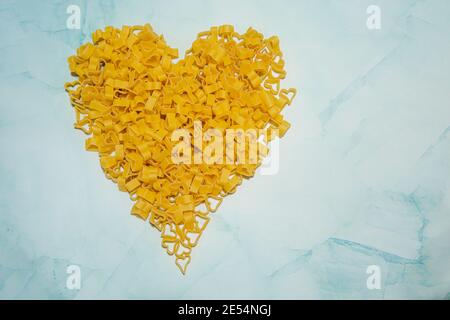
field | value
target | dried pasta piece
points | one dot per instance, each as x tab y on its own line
130	96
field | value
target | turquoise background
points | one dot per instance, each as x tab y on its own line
363	179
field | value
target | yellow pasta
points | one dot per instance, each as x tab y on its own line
130	96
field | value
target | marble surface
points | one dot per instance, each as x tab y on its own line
363	179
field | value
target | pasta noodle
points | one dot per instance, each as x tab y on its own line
130	95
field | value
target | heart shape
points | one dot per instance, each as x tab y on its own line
135	102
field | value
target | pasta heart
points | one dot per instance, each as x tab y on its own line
179	135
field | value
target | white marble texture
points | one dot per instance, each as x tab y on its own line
364	175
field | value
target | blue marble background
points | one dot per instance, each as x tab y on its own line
364	176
